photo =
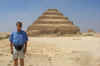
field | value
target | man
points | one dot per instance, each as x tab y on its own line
18	44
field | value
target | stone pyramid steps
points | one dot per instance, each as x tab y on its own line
52	22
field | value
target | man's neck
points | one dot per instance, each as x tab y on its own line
18	30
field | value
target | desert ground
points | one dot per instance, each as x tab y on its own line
56	51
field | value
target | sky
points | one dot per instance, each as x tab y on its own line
83	13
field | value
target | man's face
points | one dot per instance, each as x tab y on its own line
19	27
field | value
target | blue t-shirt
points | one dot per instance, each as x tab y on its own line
18	38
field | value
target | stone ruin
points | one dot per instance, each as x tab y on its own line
91	31
52	22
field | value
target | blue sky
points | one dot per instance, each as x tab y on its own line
84	13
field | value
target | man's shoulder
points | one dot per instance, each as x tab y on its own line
13	33
23	31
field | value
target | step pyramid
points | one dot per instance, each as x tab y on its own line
52	22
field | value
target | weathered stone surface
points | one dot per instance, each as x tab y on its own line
52	22
4	35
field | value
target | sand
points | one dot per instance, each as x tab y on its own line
56	51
